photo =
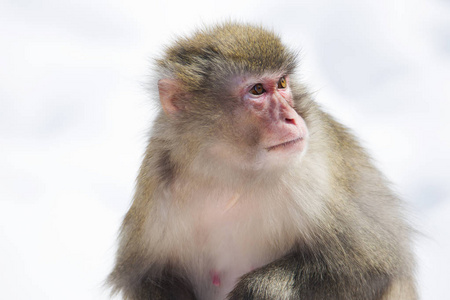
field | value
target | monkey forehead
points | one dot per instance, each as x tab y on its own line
226	49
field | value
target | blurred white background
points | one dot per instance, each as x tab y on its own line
74	116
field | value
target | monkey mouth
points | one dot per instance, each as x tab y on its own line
285	144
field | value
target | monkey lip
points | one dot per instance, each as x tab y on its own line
285	144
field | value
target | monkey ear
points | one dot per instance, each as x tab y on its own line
169	95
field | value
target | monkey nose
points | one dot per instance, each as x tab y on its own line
290	121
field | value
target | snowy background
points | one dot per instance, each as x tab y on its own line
74	115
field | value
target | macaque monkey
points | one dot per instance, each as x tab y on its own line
249	190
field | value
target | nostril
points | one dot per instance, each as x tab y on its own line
290	121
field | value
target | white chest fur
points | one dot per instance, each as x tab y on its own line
222	234
231	238
216	233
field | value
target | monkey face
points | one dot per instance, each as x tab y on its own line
265	126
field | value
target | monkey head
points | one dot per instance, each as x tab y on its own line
227	93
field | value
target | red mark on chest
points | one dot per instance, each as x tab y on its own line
215	278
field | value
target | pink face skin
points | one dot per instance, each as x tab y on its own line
282	130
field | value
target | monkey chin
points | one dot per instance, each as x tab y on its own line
283	153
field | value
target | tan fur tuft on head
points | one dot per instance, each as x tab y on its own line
245	49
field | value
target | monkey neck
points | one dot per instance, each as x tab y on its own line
210	166
235	184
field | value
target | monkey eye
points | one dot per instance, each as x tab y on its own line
257	89
282	83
